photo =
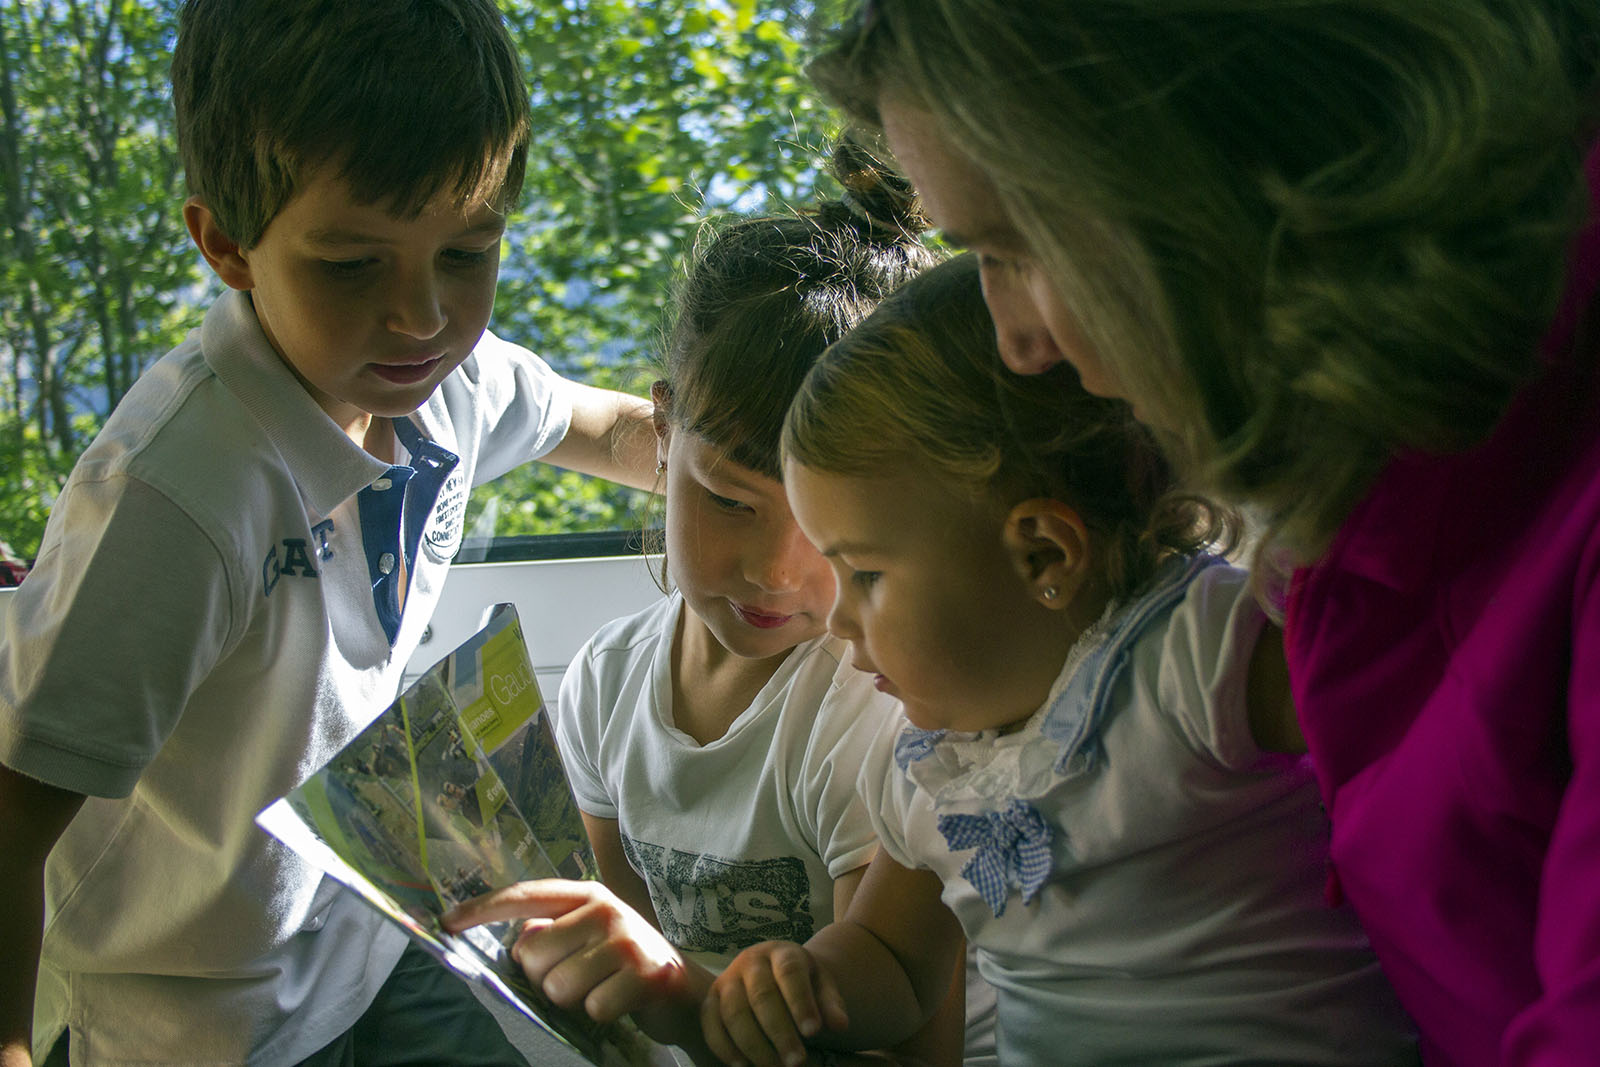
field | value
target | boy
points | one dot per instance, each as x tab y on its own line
244	560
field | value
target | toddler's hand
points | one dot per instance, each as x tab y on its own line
767	1002
582	945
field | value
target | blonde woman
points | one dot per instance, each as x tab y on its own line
1335	252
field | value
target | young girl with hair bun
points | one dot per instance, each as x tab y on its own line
1098	775
713	739
1343	255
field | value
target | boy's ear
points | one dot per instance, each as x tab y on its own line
1049	548
220	250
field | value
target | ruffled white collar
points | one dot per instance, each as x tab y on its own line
991	767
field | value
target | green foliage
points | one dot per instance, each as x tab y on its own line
94	261
648	114
36	473
540	499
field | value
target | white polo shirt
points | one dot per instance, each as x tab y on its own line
207	624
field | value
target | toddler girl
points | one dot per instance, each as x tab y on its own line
1087	777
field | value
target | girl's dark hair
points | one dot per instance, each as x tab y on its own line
762	297
921	382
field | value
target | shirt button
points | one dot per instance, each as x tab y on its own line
386	563
381	484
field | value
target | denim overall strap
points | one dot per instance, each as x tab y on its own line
1079	710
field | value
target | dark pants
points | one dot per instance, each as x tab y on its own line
423	1016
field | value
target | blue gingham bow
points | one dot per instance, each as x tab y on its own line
1013	850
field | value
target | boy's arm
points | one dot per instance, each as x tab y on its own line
868	980
32	816
610	436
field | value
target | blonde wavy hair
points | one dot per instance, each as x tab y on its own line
920	382
1304	234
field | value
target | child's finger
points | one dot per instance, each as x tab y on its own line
602	956
769	1005
793	973
620	992
544	945
548	898
732	1030
753	1042
610	978
830	1000
715	1032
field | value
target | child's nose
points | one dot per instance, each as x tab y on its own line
416	310
841	620
774	562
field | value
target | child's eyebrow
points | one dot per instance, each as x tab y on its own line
343	237
718	474
854	548
337	236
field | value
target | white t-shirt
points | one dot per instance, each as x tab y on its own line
739	840
1143	885
202	631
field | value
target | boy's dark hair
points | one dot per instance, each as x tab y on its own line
762	297
407	99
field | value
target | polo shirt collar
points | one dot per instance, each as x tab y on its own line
326	464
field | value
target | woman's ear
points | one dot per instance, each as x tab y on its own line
1049	548
220	250
661	397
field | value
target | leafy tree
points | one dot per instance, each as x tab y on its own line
93	255
648	115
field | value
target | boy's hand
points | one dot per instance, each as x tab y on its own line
767	1002
583	946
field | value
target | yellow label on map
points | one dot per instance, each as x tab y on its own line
510	691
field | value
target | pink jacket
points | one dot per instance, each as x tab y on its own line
1445	658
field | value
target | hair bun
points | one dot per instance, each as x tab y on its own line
877	199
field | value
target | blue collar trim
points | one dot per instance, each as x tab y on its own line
394	511
1078	712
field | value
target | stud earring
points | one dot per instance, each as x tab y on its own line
1051	592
